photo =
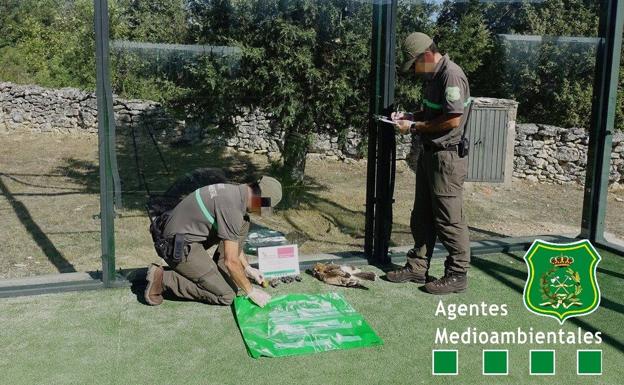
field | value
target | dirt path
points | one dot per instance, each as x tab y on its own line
492	210
50	194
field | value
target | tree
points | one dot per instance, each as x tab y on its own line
307	61
158	21
461	32
411	17
48	42
551	74
278	69
307	64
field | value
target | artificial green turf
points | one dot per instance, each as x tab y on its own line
108	337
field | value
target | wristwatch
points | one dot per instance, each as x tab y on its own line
412	127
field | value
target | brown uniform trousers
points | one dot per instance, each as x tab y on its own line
438	210
201	278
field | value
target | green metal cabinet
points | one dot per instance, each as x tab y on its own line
491	132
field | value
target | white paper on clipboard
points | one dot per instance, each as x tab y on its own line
387	121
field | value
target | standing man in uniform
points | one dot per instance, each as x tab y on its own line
441	168
214	214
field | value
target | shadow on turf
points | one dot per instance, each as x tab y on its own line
39	236
611	273
138	284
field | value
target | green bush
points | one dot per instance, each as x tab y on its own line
307	61
47	42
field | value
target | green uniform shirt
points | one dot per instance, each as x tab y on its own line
446	92
210	213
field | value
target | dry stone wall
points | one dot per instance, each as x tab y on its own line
255	133
550	154
26	108
38	109
70	111
543	153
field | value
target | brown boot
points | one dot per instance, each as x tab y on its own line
408	273
154	289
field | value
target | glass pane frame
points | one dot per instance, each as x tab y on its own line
602	126
382	97
594	205
384	36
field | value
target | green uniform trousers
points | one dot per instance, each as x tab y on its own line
201	278
438	211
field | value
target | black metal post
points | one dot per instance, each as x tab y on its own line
602	120
381	145
106	132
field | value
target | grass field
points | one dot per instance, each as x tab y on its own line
110	337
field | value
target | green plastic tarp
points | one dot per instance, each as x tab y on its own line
296	324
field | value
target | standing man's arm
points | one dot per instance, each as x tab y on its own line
412	116
442	123
456	95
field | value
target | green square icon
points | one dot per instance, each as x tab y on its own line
589	362
444	362
495	362
542	362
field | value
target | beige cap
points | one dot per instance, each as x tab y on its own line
270	188
415	44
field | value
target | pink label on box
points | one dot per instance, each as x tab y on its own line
286	252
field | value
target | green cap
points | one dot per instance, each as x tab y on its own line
270	188
415	44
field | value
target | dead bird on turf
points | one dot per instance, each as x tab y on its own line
341	275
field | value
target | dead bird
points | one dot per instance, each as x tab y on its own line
341	275
366	275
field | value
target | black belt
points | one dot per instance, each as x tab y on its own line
431	148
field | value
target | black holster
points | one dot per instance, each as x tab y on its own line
172	249
463	147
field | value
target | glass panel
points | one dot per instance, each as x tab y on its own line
614	217
530	67
224	90
48	139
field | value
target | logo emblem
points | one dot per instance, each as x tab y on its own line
561	280
452	94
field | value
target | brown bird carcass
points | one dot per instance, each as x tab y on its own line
342	275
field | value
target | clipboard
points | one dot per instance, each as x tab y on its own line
385	120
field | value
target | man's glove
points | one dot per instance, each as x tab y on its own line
259	297
254	274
